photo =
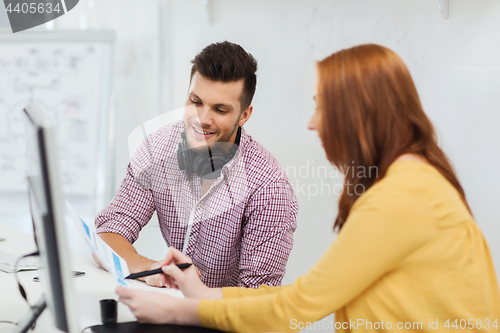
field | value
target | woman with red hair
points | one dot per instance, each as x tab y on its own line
408	255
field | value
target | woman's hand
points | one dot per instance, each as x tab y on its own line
156	308
147	306
187	280
162	280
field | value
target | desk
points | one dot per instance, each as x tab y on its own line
97	284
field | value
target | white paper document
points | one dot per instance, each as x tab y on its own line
111	261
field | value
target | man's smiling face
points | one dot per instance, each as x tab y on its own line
217	112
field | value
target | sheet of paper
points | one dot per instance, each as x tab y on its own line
111	261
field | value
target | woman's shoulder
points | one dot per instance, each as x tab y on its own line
411	177
416	178
414	188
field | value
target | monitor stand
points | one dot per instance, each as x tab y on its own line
29	319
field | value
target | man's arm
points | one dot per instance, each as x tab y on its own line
268	235
120	223
135	262
130	210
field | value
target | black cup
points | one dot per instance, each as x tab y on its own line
108	311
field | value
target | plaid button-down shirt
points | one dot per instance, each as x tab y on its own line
240	233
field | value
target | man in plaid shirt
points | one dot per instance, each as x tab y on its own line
236	223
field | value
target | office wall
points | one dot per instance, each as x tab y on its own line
4	20
454	63
136	61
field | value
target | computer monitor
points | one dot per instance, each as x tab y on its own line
46	203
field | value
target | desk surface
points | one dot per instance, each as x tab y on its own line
97	284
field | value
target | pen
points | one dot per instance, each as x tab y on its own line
75	274
154	271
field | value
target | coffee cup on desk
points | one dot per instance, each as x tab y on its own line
108	311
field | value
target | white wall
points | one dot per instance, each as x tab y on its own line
454	62
136	61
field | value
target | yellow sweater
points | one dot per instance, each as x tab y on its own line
410	256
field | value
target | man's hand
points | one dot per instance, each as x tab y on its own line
187	280
97	260
162	280
135	262
157	280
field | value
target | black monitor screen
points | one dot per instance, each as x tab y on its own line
46	204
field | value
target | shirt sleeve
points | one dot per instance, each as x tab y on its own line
378	235
132	206
267	236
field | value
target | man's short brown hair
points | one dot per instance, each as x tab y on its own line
228	62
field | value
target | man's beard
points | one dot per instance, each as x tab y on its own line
226	138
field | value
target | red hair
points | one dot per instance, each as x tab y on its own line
369	114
